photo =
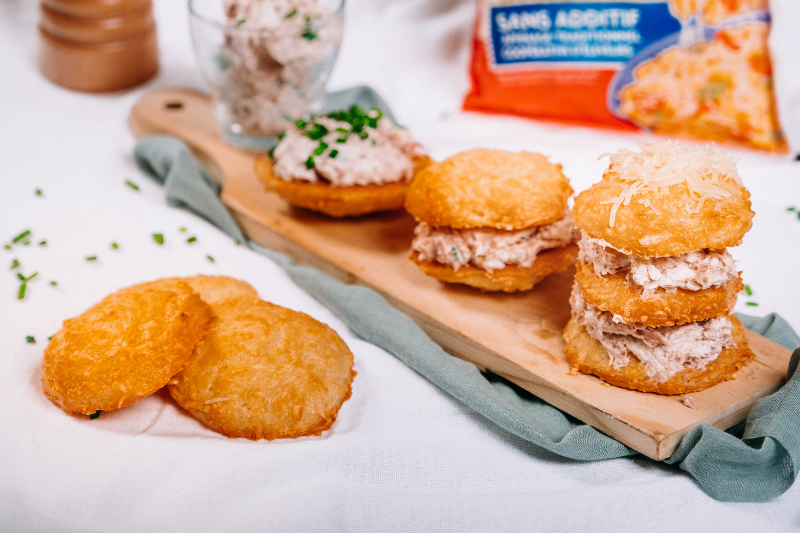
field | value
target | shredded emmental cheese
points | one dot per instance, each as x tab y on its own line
663	164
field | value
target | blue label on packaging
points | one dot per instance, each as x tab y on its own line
577	32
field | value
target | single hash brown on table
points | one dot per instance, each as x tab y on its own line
244	367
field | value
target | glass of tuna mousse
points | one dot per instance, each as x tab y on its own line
266	62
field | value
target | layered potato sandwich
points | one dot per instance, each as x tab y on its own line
343	163
655	285
494	220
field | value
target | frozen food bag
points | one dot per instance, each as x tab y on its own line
698	68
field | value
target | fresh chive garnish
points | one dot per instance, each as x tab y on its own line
159	238
290	14
183	229
43	243
114	246
95	415
317	132
92	258
334	153
210	258
21	236
752	304
14	264
238	242
310	35
310	162
748	290
790	208
281	136
21	293
300	124
20	277
26	242
271	151
30	339
191	239
342	130
50	338
53	283
319	150
798	214
132	185
38	192
32	276
241	22
7	246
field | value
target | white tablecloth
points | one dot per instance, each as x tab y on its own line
402	456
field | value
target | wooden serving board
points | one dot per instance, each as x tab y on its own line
517	336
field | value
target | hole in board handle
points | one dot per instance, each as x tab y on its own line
173	105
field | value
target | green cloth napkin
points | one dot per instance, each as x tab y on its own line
758	465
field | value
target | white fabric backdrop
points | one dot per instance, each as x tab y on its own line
402	456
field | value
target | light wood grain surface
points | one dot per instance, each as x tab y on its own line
517	336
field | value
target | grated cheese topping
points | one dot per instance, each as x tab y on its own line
660	165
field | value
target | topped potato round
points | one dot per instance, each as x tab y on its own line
666	200
483	188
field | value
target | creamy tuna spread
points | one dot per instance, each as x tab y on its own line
271	69
694	271
354	147
490	249
663	351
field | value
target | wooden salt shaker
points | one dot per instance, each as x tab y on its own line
98	45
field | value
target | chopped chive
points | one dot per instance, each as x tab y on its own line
300	124
317	132
790	208
334	153
342	130
7	246
290	14
50	338
310	35
310	162
95	415
748	290
21	293
32	276
21	236
14	264
319	150
114	246
21	277
30	339
92	258
191	239
53	283
271	151
238	242
43	243
798	214
183	229
241	22
752	304
281	136
26	242
159	238
210	258
38	192
132	185
341	140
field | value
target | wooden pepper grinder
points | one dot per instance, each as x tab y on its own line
98	45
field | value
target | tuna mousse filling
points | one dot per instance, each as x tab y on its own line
694	271
490	249
346	148
663	351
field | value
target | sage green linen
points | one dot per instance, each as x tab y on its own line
759	465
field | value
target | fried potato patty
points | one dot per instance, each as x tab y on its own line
489	189
124	348
668	229
215	288
509	279
263	372
612	293
337	202
587	355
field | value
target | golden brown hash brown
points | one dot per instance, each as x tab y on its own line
215	288
337	202
587	355
614	294
124	348
512	278
489	189
668	231
263	372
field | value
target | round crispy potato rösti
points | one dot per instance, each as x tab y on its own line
124	348
263	372
613	293
509	279
215	288
337	202
587	355
670	231
489	189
